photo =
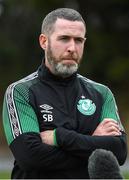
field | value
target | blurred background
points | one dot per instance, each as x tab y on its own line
106	55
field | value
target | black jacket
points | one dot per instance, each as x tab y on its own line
73	107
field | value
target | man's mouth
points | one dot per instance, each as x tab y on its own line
69	61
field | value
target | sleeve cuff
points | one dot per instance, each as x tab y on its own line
55	141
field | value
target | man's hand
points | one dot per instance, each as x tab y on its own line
47	137
108	127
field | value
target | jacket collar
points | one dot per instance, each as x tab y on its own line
45	74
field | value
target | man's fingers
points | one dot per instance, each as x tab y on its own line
108	127
114	133
114	129
47	137
111	124
109	120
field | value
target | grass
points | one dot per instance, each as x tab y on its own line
126	175
6	175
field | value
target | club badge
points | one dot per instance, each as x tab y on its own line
86	106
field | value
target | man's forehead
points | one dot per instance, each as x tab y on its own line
66	26
62	21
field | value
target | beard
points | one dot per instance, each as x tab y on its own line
65	70
57	67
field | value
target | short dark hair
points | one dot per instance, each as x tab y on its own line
61	13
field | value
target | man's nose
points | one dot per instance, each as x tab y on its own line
71	46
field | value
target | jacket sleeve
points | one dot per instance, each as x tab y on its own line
109	108
30	153
83	145
23	135
80	145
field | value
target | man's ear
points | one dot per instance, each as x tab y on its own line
42	41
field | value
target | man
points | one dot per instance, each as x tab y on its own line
55	118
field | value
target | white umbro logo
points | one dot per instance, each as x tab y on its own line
46	108
47	113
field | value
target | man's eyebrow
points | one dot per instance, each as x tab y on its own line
69	36
82	38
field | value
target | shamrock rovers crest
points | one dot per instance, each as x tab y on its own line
86	106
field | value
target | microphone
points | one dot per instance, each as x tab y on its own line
102	164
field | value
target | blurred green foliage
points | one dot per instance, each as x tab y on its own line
106	56
7	175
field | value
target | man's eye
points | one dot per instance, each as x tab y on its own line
79	40
64	38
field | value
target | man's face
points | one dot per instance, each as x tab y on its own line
64	47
